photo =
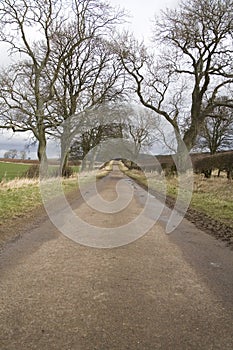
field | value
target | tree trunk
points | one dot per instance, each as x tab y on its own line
181	158
230	174
93	159
197	119
208	173
189	140
65	164
64	153
190	136
66	139
84	164
42	156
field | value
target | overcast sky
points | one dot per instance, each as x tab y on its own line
142	14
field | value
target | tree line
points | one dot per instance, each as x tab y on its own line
15	154
72	59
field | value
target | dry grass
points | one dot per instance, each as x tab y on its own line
219	185
21	195
213	196
18	183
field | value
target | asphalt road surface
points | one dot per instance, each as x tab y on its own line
159	292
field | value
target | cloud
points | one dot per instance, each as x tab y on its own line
10	140
23	141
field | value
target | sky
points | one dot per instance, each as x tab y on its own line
142	14
141	17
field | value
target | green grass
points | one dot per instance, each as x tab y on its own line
214	197
18	197
9	171
213	206
16	201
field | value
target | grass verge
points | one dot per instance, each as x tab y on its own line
19	197
213	197
21	203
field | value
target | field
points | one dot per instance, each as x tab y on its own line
16	168
9	171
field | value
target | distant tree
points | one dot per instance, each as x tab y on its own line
207	163
91	138
216	135
131	123
23	154
141	127
11	154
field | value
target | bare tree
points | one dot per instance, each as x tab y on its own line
23	154
28	89
91	76
84	145
24	93
195	64
141	127
217	131
11	154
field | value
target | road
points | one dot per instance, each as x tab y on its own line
159	292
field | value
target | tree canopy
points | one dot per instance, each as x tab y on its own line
191	67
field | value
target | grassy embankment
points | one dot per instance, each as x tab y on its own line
20	195
214	196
